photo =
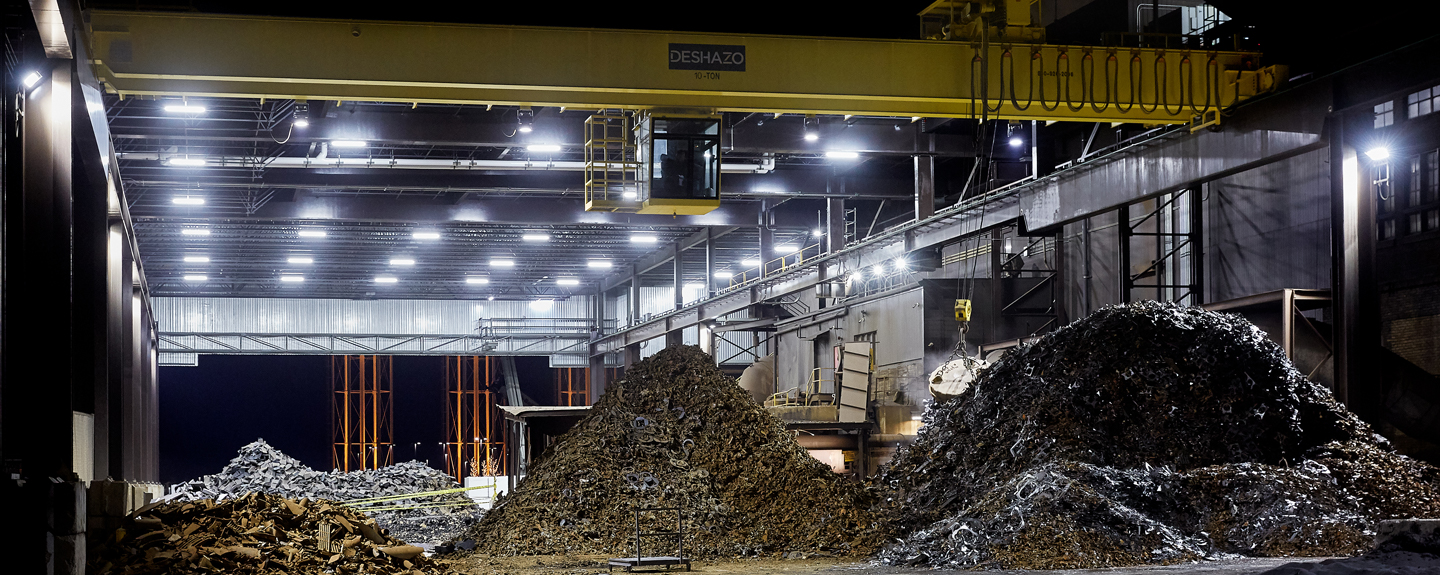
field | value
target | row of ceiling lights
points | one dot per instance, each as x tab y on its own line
638	238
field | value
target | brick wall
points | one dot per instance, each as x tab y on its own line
1410	324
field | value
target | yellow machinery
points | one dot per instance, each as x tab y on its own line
670	167
982	59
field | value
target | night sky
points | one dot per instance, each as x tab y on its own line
208	412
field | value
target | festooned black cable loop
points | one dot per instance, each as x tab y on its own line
1140	66
1133	95
1212	81
1064	79
1041	80
1109	82
1029	98
1162	88
974	77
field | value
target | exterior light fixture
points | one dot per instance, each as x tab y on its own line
1378	154
402	262
194	232
426	235
197	259
475	280
490	298
312	233
840	155
543	148
292	278
186	162
1016	142
642	239
386	279
195	277
599	264
301	260
348	143
819	233
301	115
812	128
31	79
502	263
525	120
567	282
184	109
536	237
187	201
811	136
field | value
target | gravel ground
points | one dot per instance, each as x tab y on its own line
587	564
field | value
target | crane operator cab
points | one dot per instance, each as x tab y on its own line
679	161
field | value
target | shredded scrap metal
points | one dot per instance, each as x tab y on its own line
677	432
260	468
255	533
1146	433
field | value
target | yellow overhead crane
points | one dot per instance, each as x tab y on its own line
987	62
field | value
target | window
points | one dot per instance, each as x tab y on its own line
1432	177
1432	220
1417	181
1422	102
1414	224
1384	114
1387	229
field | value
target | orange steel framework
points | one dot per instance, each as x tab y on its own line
362	411
572	385
474	426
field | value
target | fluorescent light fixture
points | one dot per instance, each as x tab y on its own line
693	287
600	264
567	282
630	195
302	123
386	279
348	143
195	277
300	260
194	232
31	79
184	109
187	201
426	235
1016	142
526	129
197	259
543	148
842	155
477	280
786	249
642	239
186	162
502	263
811	136
819	233
1378	154
723	275
312	233
402	262
292	278
750	263
542	305
490	298
536	237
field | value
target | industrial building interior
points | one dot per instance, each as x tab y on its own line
883	227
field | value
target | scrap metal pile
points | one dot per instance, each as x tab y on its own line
260	468
1146	433
678	432
255	533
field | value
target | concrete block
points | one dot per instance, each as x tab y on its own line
1418	535
69	557
67	508
117	494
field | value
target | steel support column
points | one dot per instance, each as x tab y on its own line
924	187
834	224
679	275
1357	313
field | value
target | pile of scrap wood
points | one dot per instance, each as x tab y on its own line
256	533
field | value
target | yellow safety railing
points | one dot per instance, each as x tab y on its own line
778	265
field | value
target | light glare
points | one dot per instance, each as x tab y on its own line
188	201
386	279
543	148
197	259
195	278
1378	154
502	263
194	232
402	262
567	282
477	280
642	239
1016	142
184	109
842	155
601	264
533	237
31	79
426	235
186	162
301	260
312	233
292	278
348	143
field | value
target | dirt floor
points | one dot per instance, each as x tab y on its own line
578	565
